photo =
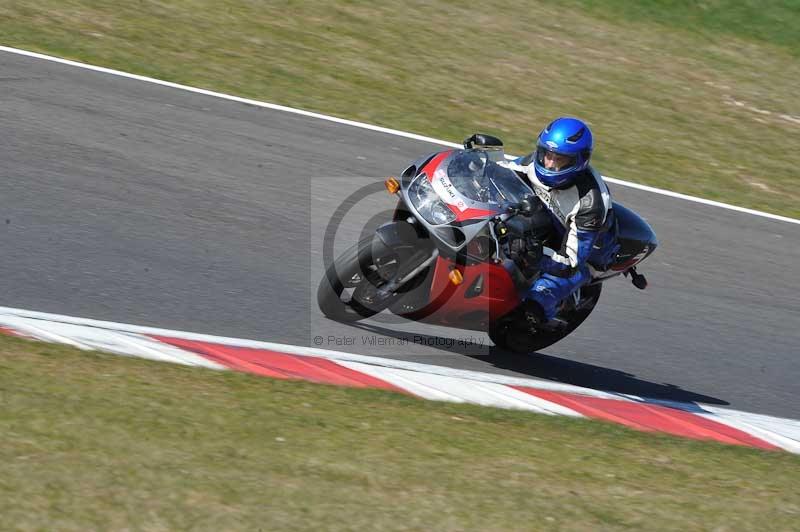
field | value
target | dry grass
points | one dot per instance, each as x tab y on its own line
99	442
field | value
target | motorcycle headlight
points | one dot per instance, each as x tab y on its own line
428	203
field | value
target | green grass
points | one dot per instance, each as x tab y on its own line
98	442
698	97
768	22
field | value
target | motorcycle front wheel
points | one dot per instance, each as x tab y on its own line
350	289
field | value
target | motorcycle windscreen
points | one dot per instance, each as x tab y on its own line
479	179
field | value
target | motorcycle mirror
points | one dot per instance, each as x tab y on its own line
482	141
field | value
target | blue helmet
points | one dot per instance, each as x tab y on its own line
563	150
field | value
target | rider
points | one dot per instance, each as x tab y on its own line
579	201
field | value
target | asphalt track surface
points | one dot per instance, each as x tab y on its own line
131	202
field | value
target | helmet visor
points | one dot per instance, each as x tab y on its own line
554	161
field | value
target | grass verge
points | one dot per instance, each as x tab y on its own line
694	97
96	441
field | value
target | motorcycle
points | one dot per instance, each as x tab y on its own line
462	249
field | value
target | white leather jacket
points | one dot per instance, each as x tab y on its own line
582	210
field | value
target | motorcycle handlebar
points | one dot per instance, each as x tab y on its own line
524	207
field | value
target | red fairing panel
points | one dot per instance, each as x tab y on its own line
434	163
452	306
471	214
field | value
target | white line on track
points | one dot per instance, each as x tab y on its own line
370	127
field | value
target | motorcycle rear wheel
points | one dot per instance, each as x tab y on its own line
512	335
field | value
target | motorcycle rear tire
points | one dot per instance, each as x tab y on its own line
507	337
